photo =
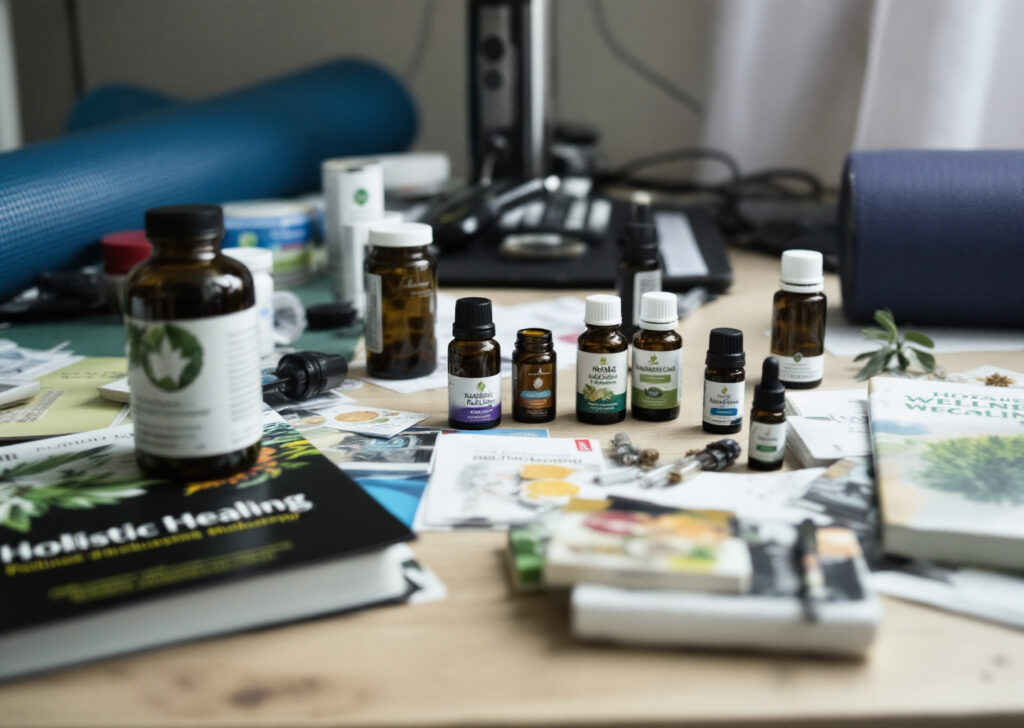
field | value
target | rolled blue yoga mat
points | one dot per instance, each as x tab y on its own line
936	236
60	196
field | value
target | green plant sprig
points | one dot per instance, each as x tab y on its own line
895	352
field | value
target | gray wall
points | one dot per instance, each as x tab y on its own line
197	48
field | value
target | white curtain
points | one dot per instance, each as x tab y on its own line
801	82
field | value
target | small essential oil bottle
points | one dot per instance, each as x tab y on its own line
768	420
639	270
534	366
798	320
724	380
601	366
401	301
193	350
474	367
657	359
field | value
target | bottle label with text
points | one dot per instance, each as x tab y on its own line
656	378
600	382
723	402
196	384
767	441
534	385
474	400
374	324
799	368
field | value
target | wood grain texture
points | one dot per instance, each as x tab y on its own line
488	656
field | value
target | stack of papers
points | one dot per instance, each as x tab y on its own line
825	426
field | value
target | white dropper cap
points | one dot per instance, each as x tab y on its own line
603	310
658	311
802	271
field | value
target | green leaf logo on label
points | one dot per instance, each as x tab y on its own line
654	359
604	360
361	196
725	390
480	386
798	356
171	357
248	239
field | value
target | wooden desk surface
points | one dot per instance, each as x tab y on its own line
487	656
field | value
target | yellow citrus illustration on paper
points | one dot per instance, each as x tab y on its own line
534	471
550	489
360	416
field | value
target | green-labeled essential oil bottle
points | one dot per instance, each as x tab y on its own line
724	380
768	420
601	366
798	320
474	367
193	350
657	359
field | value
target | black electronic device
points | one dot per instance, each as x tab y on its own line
510	95
565	236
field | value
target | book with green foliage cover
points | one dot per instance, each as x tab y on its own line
97	559
950	465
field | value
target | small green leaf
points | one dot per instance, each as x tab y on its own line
875	365
887	322
918	338
876	334
903	360
927	360
866	354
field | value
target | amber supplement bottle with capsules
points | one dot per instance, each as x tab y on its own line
601	366
401	301
474	367
534	366
193	350
657	359
768	420
724	380
798	320
639	269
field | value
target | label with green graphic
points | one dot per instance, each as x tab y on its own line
656	378
195	384
723	402
767	441
600	382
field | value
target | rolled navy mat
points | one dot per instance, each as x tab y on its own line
58	197
937	236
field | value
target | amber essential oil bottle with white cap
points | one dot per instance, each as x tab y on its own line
601	367
657	358
798	320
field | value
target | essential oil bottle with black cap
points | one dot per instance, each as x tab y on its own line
639	269
474	367
768	420
724	380
193	350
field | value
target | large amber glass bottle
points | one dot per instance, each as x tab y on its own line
193	350
401	301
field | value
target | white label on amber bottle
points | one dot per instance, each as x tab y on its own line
374	324
195	384
799	368
767	441
723	402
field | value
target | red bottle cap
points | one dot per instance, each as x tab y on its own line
123	249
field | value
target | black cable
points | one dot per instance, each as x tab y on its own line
638	66
624	174
75	41
422	41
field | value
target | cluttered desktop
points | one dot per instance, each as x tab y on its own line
299	425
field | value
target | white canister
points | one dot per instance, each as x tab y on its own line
348	278
259	261
353	192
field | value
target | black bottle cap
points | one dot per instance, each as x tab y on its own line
322	316
473	319
305	374
770	394
725	349
724	453
185	221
